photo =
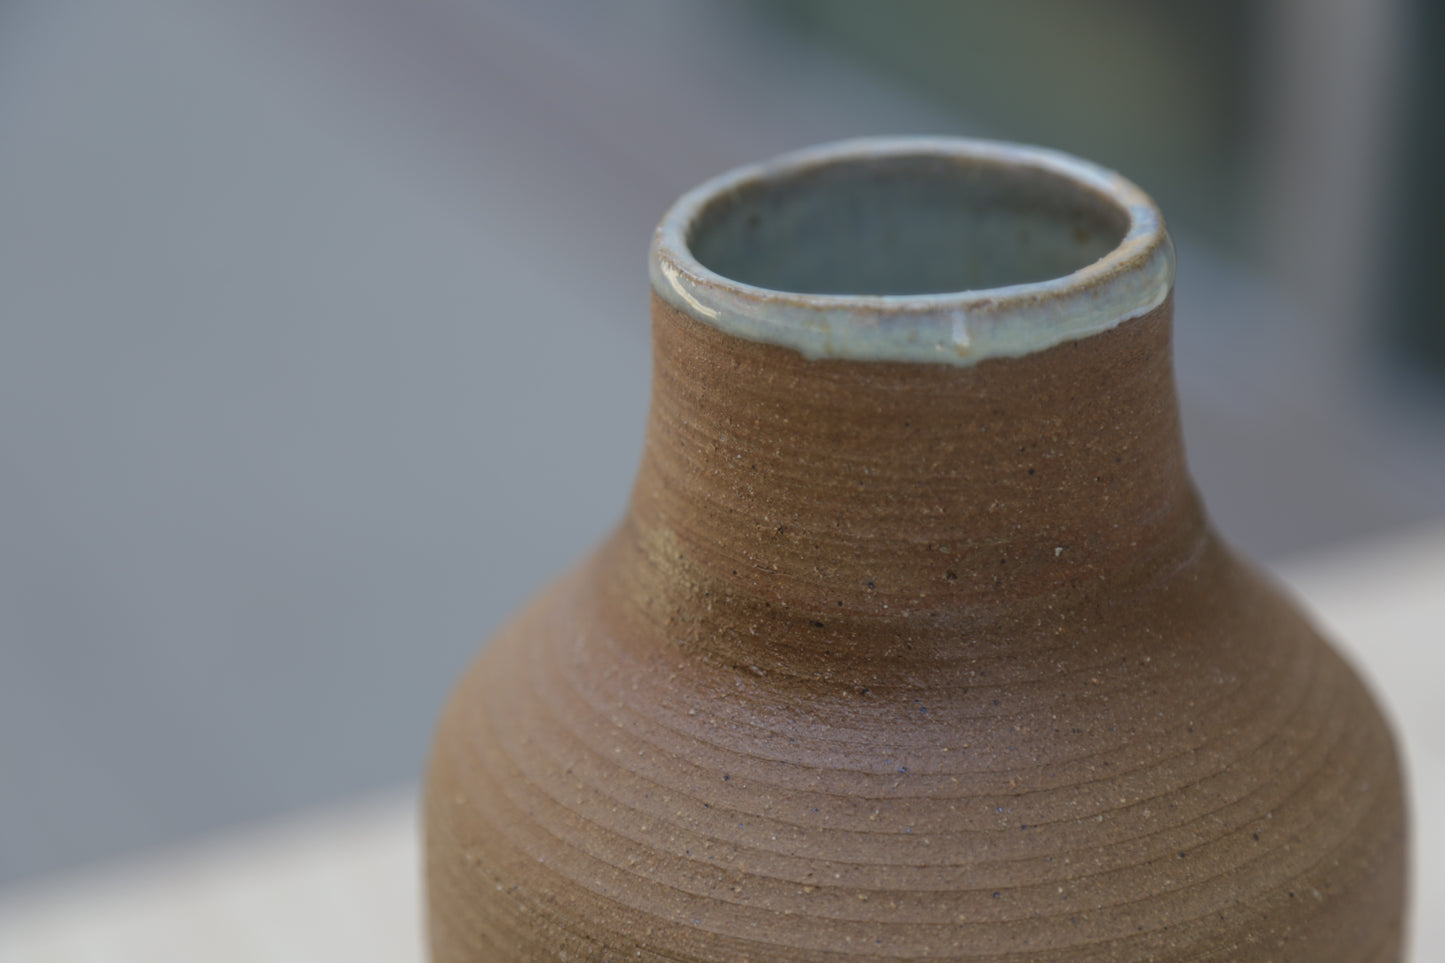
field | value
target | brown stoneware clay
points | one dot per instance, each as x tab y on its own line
914	642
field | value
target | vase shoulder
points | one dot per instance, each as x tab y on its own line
1114	784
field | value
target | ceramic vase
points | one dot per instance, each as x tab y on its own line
914	641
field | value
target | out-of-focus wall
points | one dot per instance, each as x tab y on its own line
1418	212
1168	92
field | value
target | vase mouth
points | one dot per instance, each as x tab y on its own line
927	249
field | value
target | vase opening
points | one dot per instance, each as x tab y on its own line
914	249
920	223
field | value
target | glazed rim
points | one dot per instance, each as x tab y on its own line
732	220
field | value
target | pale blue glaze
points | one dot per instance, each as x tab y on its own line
915	249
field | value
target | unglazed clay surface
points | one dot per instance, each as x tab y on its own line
903	661
998	695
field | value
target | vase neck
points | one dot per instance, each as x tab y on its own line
876	488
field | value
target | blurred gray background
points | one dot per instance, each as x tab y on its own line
323	330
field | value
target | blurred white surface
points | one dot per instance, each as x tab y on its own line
337	884
344	884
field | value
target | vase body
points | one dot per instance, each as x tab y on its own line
898	660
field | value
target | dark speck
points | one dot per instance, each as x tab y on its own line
995	895
1031	471
903	769
1256	837
995	702
815	623
727	778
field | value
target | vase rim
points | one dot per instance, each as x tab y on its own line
955	327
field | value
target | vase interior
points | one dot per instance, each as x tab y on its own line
905	225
